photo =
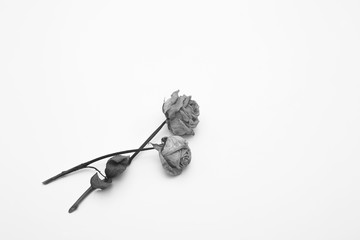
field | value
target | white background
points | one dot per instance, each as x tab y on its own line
276	153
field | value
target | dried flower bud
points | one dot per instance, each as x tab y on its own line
181	114
174	154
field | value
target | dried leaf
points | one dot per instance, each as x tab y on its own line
98	183
116	165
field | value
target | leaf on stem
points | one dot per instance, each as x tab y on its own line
98	183
116	165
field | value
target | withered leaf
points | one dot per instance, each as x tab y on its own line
116	165
98	183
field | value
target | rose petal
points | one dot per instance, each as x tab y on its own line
187	100
173	159
167	104
186	158
178	127
170	170
176	107
173	144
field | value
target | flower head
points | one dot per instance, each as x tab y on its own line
174	154
181	113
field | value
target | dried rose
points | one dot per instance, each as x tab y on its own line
174	154
181	114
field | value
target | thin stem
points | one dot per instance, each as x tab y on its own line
85	164
97	171
81	198
91	189
146	141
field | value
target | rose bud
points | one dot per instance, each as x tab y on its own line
181	114
174	154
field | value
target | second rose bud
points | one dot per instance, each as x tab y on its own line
174	154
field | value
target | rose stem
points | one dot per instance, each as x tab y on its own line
81	198
146	142
97	171
85	164
91	189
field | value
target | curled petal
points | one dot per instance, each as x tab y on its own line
173	171
178	127
167	104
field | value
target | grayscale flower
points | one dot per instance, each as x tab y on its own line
174	154
181	114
